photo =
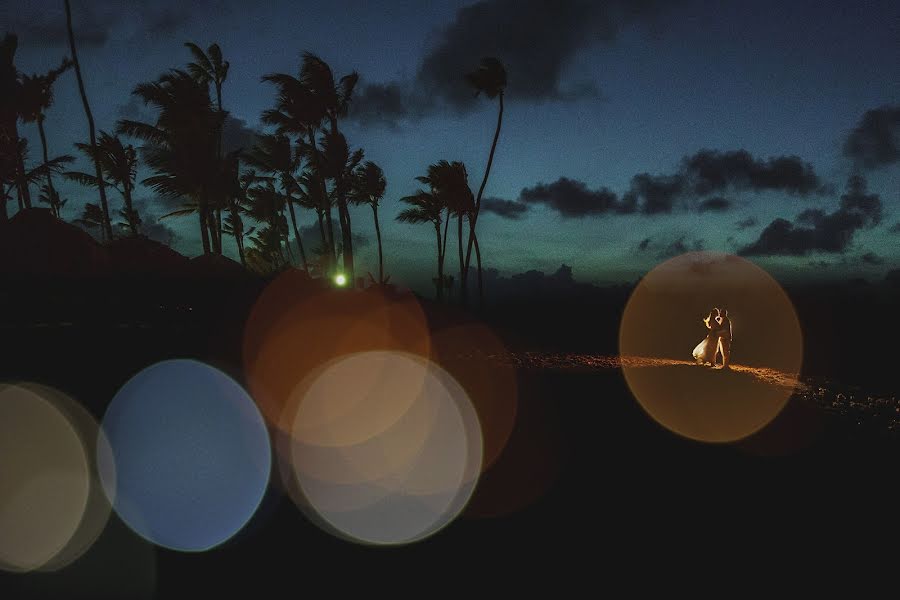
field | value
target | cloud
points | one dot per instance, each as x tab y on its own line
536	40
653	194
875	141
714	204
311	237
237	134
895	228
747	223
715	171
571	198
149	210
508	209
690	188
671	247
42	23
870	258
816	230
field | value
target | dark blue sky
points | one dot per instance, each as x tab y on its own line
748	118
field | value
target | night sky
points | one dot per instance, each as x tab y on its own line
633	131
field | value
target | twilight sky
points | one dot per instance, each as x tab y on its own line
633	131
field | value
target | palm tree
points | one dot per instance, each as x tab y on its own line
449	182
335	97
181	146
425	207
267	206
273	154
118	163
369	187
237	202
36	97
338	164
303	105
489	78
300	112
10	104
11	179
209	68
50	196
106	226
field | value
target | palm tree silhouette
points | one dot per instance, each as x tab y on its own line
369	186
106	226
36	97
426	207
237	201
209	68
181	146
118	163
273	154
489	78
303	105
51	197
267	206
10	100
300	112
335	97
10	179
449	182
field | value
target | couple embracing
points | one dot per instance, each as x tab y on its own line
717	341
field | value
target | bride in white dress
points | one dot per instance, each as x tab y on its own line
705	351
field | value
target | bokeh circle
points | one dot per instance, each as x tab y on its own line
44	479
191	455
386	447
662	323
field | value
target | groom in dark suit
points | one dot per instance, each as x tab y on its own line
724	333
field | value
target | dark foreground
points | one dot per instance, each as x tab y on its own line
589	491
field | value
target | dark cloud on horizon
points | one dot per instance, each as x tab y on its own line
507	209
701	174
715	204
535	40
572	198
747	223
816	230
870	258
875	141
669	248
44	23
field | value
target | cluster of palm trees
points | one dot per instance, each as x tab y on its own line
449	195
304	163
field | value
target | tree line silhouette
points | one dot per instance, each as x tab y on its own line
247	194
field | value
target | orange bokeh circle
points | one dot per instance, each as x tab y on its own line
662	323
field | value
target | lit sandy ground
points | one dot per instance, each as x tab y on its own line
875	412
558	361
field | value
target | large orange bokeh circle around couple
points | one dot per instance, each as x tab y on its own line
663	322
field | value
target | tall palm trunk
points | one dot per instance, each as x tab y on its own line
444	250
24	193
317	164
321	216
106	225
344	214
50	190
440	276
204	231
129	210
297	235
473	218
238	234
480	271
219	158
459	243
378	237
